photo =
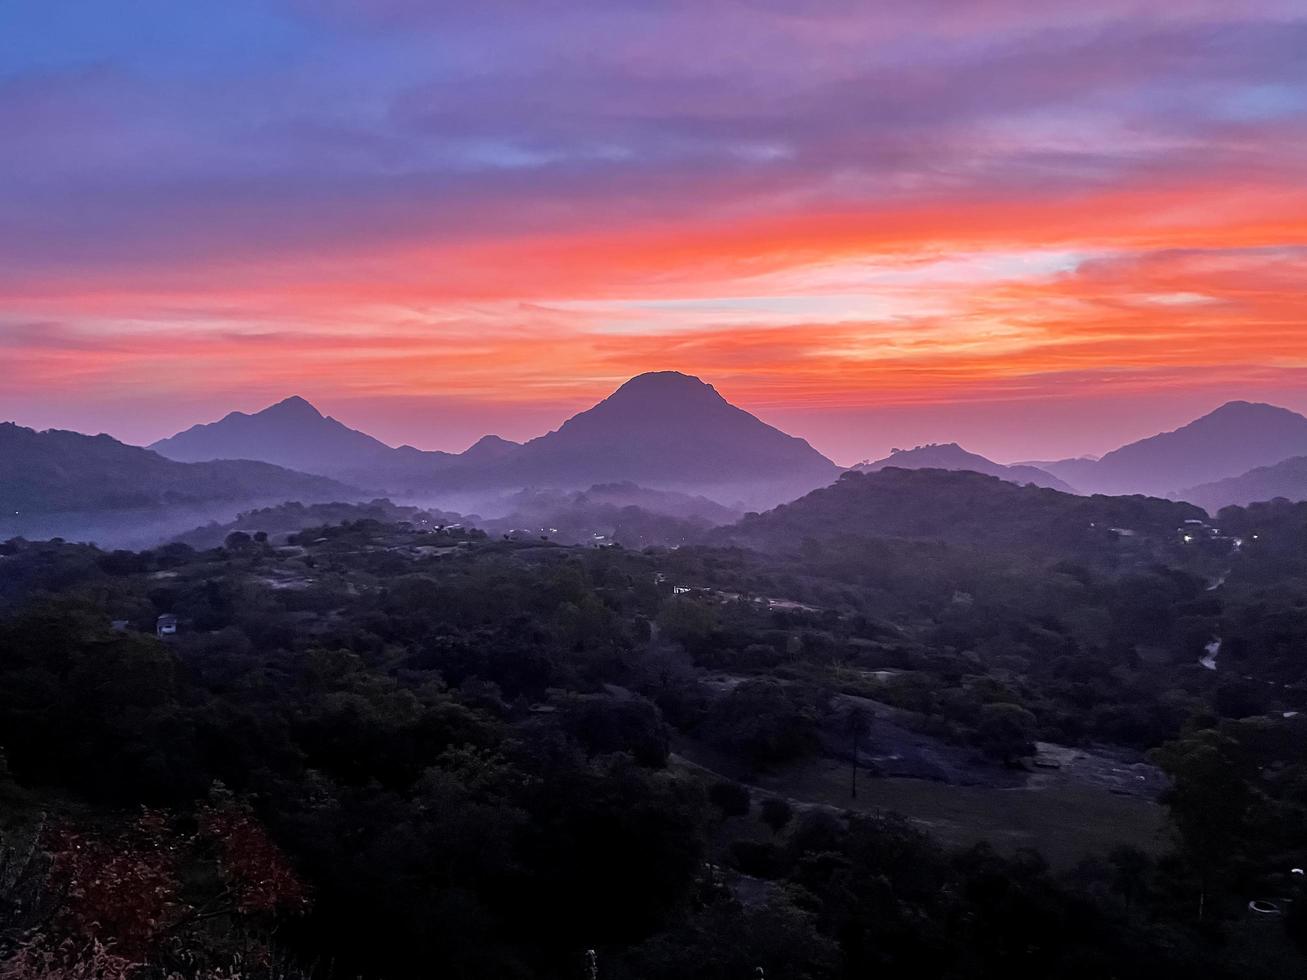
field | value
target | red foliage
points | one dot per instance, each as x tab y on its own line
258	876
124	886
148	881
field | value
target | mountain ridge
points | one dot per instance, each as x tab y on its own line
1286	480
290	433
1230	440
960	508
56	470
665	430
951	456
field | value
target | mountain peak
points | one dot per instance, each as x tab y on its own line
1229	441
493	440
658	384
489	447
670	431
294	406
951	456
290	433
1245	409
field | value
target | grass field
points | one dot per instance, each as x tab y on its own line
1056	815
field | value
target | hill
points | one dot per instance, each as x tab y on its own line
1237	437
57	471
287	518
962	508
1287	479
489	448
631	515
951	456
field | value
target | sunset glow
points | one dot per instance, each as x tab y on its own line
871	228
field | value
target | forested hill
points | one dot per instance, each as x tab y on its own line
961	508
409	751
57	471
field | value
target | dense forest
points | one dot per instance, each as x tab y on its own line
388	747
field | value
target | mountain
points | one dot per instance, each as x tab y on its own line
487	449
1287	479
664	431
667	431
291	433
951	456
961	508
56	471
1237	437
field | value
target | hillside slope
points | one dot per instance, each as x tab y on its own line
57	471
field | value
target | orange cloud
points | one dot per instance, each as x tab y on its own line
1167	286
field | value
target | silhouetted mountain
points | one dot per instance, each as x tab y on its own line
291	433
1228	442
1286	479
663	430
951	456
667	430
57	471
962	508
488	448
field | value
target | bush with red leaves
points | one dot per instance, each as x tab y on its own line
258	877
122	887
149	882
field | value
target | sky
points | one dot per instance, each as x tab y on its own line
1039	229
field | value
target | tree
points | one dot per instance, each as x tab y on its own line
729	797
765	722
775	813
238	541
1006	731
1208	800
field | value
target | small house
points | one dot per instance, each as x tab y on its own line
166	625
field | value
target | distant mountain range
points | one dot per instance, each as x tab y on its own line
1237	437
1286	479
962	508
951	456
662	430
659	435
57	471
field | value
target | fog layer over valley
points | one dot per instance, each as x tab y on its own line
661	440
